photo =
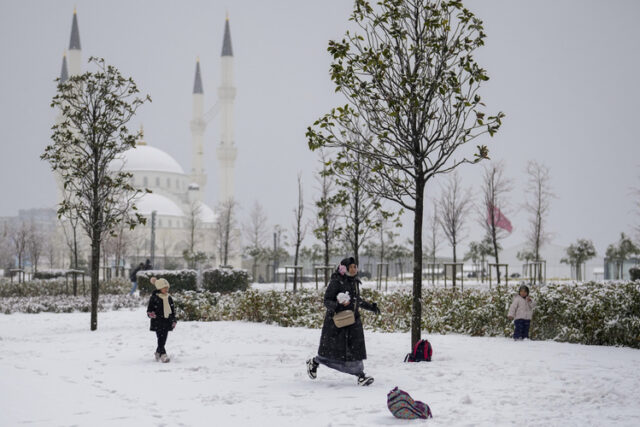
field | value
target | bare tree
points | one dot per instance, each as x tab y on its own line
192	255
495	190
20	240
537	205
278	252
225	226
454	206
256	234
410	78
35	244
69	225
121	244
635	193
299	231
193	226
115	245
432	242
359	207
6	256
385	239
326	227
51	248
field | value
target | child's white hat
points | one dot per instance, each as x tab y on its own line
161	283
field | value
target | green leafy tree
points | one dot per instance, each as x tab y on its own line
412	84
579	253
479	251
96	107
526	255
311	255
620	252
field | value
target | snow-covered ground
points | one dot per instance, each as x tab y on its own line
55	372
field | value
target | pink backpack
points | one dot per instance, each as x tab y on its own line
422	352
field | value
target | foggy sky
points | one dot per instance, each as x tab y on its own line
563	72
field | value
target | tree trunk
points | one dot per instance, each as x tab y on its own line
356	227
497	257
416	315
95	270
578	272
75	262
295	269
455	267
326	260
254	268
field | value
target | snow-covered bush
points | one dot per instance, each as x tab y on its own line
588	313
225	280
192	305
34	288
48	274
180	280
304	309
67	304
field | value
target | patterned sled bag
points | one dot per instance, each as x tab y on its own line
403	406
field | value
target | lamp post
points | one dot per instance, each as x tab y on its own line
153	237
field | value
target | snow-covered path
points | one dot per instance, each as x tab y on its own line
54	372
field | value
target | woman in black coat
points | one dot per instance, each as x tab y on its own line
343	348
162	313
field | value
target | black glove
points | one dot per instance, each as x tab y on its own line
374	308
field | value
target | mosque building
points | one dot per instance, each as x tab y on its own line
176	199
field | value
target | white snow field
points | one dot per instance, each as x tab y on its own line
55	372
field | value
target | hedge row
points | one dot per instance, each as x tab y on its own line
225	280
67	304
213	280
35	288
589	313
180	280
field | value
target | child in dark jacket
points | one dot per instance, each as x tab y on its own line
162	313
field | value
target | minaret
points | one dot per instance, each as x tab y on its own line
64	72
226	151
198	127
64	76
75	52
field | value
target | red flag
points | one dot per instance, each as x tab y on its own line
499	219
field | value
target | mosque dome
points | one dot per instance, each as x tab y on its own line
147	158
164	206
207	215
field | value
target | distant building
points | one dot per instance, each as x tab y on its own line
177	197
